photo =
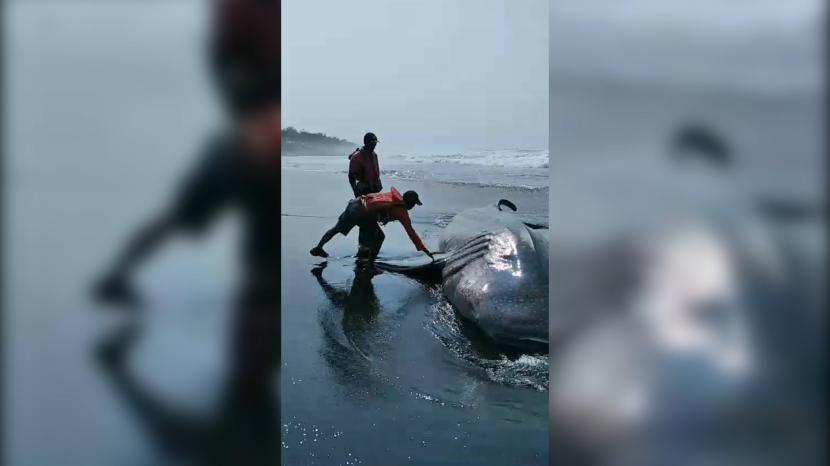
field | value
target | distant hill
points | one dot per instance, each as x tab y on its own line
304	143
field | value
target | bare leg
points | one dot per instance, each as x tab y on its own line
318	250
327	237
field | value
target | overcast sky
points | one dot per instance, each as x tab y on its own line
424	75
766	46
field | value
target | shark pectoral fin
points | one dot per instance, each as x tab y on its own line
420	266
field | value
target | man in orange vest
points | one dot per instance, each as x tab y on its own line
366	212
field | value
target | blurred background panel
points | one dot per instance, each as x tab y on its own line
687	192
650	65
106	104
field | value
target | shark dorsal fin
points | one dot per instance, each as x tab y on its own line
505	202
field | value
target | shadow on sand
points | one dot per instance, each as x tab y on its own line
245	427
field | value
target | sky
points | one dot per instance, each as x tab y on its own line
429	75
759	46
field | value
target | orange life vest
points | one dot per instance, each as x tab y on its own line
385	207
379	202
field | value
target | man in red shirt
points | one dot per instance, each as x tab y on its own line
366	212
364	173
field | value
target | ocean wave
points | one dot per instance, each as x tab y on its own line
505	186
521	170
415	175
508	158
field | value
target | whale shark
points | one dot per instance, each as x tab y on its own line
494	271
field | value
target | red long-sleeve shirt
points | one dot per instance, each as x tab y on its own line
402	215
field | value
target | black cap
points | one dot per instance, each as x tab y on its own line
369	137
411	198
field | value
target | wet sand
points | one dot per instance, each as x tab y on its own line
378	370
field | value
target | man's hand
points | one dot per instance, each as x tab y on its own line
353	184
430	255
115	289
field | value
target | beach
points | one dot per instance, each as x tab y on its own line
381	371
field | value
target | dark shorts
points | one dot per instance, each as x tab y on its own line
371	235
355	215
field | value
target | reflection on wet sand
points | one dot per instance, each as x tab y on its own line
244	427
352	333
360	305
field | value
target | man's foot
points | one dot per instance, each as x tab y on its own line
318	251
366	261
363	253
369	268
